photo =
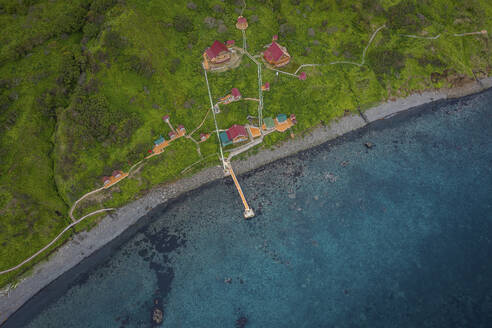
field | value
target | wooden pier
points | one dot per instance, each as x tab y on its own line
248	211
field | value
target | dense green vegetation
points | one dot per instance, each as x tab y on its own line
84	84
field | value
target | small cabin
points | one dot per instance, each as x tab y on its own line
265	87
106	180
268	123
281	118
159	141
235	95
293	118
172	135
276	55
242	23
230	43
204	136
302	76
237	133
218	53
117	174
165	118
181	130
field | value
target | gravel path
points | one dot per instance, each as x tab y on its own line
84	244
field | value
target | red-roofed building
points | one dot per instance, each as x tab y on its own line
204	136
181	130
276	55
117	174
302	76
235	95
265	87
237	133
172	135
218	53
230	43
242	23
106	180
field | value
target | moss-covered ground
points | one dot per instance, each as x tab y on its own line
84	84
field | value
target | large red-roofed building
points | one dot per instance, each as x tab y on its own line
276	55
218	53
237	133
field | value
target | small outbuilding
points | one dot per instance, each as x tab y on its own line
159	141
281	118
268	123
242	23
117	174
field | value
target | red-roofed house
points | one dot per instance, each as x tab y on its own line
181	130
276	55
235	95
237	133
242	23
117	174
230	43
218	53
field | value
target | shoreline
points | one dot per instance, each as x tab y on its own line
86	243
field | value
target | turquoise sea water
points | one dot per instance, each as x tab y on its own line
394	236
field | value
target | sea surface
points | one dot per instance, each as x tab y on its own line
397	235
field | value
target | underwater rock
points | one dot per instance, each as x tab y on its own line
369	145
241	322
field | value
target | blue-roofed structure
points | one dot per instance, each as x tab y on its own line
159	141
281	118
224	138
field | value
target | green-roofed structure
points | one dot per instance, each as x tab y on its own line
281	118
269	123
224	139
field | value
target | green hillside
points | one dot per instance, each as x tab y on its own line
84	84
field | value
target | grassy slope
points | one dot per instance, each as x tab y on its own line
169	39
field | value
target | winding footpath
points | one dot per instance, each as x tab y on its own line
234	152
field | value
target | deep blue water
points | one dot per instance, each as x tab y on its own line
394	236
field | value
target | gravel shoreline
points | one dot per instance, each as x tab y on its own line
84	244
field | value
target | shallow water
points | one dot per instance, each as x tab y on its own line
394	236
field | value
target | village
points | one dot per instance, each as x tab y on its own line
239	137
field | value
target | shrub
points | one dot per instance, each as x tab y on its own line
70	70
182	24
386	62
142	66
114	42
